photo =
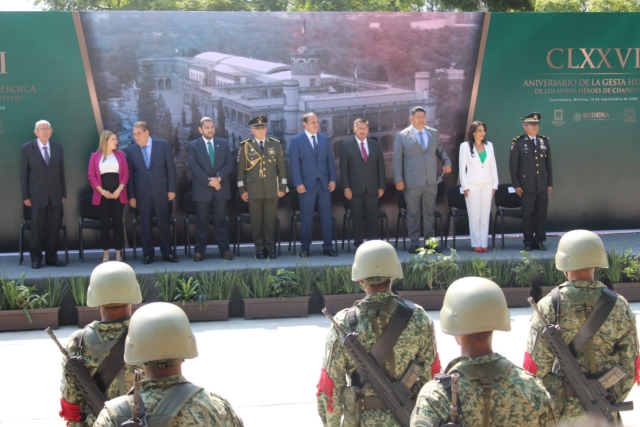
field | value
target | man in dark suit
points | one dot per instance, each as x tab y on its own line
532	178
314	176
211	164
152	185
415	172
44	190
363	179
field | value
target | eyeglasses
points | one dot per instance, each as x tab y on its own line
43	129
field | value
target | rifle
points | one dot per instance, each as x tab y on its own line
93	397
138	412
397	396
592	394
454	402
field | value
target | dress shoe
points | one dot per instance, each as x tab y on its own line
170	258
260	255
198	257
305	253
147	260
542	246
413	249
227	255
270	254
329	252
36	265
528	248
485	249
56	263
478	250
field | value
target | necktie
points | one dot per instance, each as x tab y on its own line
365	156
145	154
212	154
46	155
422	143
315	145
262	146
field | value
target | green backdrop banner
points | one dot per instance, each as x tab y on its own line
582	76
581	71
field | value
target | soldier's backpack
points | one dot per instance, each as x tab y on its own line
164	413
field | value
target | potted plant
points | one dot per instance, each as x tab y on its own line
207	297
624	273
526	270
266	295
167	285
426	275
337	288
22	307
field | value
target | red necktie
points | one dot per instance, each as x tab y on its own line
365	156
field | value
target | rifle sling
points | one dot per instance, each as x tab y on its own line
594	322
384	346
111	365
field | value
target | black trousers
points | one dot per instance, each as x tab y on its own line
218	210
110	211
364	206
45	232
160	210
534	216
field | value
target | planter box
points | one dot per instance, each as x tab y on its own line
429	300
517	297
546	290
271	308
335	303
87	315
631	291
16	320
214	310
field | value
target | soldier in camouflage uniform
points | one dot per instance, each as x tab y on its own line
492	391
160	338
262	180
375	267
113	287
579	253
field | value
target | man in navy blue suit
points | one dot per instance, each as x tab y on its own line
211	164
314	176
152	185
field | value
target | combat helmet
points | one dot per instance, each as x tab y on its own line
472	305
114	283
376	259
159	331
580	249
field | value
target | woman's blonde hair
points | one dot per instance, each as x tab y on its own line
102	146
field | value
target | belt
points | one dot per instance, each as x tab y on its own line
371	402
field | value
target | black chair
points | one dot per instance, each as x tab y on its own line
191	218
89	219
507	205
244	218
26	225
154	223
457	209
295	218
347	220
402	216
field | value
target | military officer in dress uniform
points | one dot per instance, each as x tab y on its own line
531	176
262	180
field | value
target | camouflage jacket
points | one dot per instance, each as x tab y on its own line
106	331
204	409
417	342
615	342
517	399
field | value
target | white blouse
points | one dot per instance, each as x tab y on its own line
109	165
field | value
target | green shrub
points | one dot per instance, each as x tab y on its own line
167	284
56	288
79	286
526	269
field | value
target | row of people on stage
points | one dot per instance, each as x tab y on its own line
144	175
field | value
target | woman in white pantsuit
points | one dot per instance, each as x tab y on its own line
479	180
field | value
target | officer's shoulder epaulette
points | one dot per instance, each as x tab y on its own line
542	136
246	140
275	140
514	140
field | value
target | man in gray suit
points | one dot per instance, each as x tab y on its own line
362	174
415	172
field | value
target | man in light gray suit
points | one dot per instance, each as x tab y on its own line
415	172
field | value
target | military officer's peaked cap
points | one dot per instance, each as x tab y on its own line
258	121
532	118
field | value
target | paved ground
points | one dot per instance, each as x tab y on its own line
10	267
268	369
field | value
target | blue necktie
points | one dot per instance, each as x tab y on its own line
145	154
422	143
315	145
